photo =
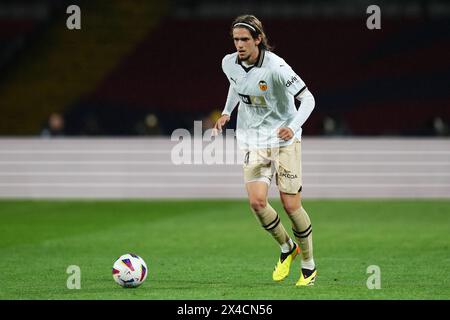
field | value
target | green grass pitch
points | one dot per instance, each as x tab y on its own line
217	250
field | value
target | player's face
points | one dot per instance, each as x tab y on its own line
246	46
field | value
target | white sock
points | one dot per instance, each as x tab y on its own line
309	264
286	247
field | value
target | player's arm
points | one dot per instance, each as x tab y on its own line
230	105
295	86
307	104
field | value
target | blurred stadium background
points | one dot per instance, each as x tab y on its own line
149	67
89	114
138	70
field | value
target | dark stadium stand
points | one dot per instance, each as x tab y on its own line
383	82
57	66
13	33
107	78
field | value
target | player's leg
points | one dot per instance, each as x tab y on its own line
302	228
257	175
270	221
289	181
267	216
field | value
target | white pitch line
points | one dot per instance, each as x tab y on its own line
375	185
87	152
167	163
87	162
83	151
168	151
121	174
124	185
222	174
377	174
210	185
375	152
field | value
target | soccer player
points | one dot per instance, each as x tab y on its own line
269	129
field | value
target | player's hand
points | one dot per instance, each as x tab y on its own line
285	133
220	123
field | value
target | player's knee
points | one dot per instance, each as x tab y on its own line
258	204
291	207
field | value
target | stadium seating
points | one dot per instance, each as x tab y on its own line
125	66
60	66
378	82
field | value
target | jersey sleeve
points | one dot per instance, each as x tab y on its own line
232	101
226	65
232	97
307	103
286	77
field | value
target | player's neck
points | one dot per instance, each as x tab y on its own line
253	57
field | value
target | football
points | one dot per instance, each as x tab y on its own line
129	270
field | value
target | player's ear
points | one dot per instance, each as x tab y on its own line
258	40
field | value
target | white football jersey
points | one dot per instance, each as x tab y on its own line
265	93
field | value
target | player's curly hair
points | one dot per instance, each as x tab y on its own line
254	25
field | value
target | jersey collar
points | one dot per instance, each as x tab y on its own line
259	61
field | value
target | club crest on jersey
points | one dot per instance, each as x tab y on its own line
263	85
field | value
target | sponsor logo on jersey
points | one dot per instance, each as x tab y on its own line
291	81
288	174
263	85
258	101
245	98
